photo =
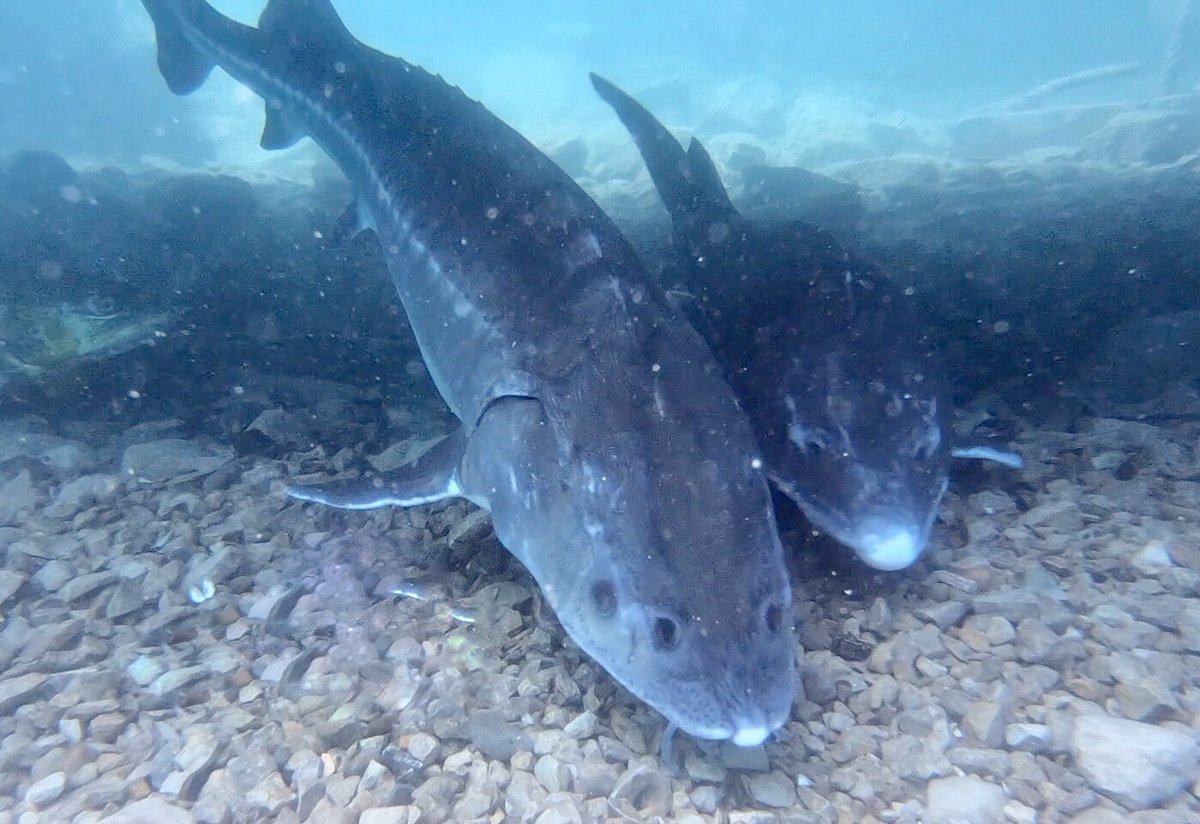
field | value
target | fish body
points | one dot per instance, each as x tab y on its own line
595	424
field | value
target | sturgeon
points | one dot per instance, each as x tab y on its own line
595	424
827	357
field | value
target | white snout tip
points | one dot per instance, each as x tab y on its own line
890	550
749	736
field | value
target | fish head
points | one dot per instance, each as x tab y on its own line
866	453
680	592
657	552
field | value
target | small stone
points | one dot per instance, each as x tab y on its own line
1146	700
960	582
985	722
706	798
772	789
1033	738
144	670
944	615
963	800
53	575
270	795
175	680
107	726
384	815
1013	604
152	810
1152	558
552	774
71	729
10	582
84	585
560	809
879	617
1136	764
496	738
126	598
744	759
524	798
581	726
983	762
47	790
643	789
424	747
20	690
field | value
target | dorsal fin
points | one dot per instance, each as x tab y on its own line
303	21
687	182
710	189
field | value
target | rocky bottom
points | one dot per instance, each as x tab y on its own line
181	642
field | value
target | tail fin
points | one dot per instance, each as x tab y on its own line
183	66
687	182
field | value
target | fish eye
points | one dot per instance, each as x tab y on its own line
604	598
773	617
666	634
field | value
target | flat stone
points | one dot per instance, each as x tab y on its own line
10	582
1013	604
385	815
47	790
944	615
174	680
20	690
17	495
81	492
127	598
772	789
1028	737
1146	700
982	762
85	585
963	800
172	458
1136	764
152	810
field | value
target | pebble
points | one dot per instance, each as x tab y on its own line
583	725
153	810
984	721
944	615
173	681
1033	738
1136	764
20	690
643	790
384	815
963	800
47	790
772	789
424	747
10	582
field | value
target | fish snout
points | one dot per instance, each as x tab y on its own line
890	545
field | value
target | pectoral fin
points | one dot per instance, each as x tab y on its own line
432	477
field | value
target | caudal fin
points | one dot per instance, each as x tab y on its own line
687	182
183	66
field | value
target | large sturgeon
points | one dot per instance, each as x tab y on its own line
828	359
595	424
